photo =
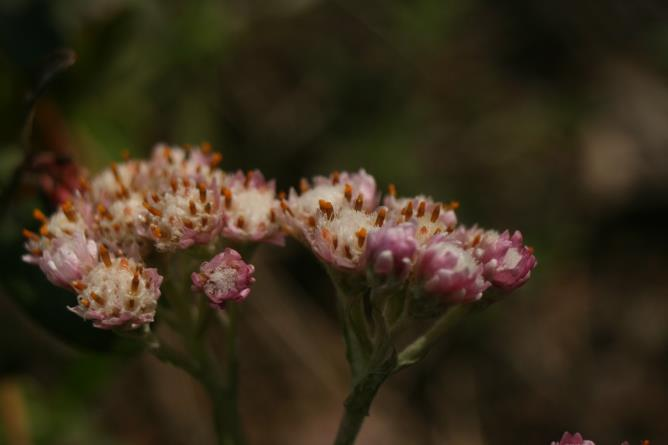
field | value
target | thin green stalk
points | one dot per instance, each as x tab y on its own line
231	417
415	351
381	364
356	407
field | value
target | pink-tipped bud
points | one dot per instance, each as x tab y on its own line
507	261
66	258
451	272
227	277
391	250
573	439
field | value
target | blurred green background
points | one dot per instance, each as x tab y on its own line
548	117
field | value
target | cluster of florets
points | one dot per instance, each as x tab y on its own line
577	439
573	439
411	242
227	277
97	241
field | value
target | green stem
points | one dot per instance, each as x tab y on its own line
231	418
415	351
356	407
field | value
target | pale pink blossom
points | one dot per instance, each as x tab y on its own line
507	261
184	213
250	207
226	277
338	238
66	258
118	293
573	439
118	224
391	250
431	218
198	163
64	249
341	190
445	269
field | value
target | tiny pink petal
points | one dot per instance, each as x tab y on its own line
226	277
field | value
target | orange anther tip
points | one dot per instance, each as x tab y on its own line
30	235
326	207
359	202
39	216
216	159
348	192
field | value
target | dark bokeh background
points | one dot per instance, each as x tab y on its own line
549	117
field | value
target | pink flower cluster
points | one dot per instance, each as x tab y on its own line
96	242
577	439
572	439
405	241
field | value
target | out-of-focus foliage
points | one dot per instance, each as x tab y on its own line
549	117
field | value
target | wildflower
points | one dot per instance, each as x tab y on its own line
446	269
118	293
339	238
118	180
508	262
431	218
65	259
118	223
182	214
341	190
63	249
391	250
573	439
250	208
195	163
227	277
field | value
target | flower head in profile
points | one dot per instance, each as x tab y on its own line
226	277
391	250
447	270
431	218
249	203
63	249
573	439
341	190
118	293
507	261
338	238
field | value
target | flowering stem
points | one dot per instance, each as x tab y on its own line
357	405
372	360
415	351
230	405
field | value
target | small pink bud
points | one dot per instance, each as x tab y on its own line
448	270
507	261
227	277
391	250
573	439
